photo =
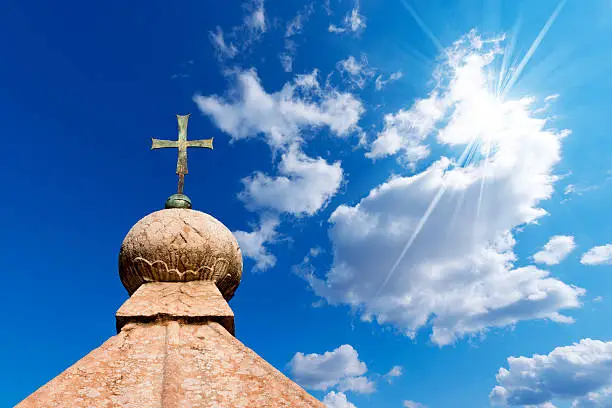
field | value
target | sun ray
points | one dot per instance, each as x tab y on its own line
463	161
508	51
423	26
417	230
484	177
508	76
469	152
534	46
458	208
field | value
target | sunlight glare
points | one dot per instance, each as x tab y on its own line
484	113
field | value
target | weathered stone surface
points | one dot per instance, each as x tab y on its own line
171	364
193	302
180	245
175	347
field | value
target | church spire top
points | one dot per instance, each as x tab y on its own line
175	344
180	200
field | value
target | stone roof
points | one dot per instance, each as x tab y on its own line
175	345
171	364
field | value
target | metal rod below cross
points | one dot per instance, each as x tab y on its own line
181	183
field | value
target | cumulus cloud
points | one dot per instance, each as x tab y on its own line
241	37
361	385
555	250
282	115
304	185
599	255
337	400
381	83
252	244
406	130
353	22
339	368
599	399
355	72
436	249
581	372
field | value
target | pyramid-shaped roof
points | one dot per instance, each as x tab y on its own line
175	345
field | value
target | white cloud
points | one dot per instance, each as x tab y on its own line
574	190
353	22
555	250
599	255
282	115
306	267
581	372
293	28
351	66
356	72
361	385
396	371
223	49
551	97
381	83
406	130
303	187
255	21
412	404
337	400
240	37
436	249
303	184
599	399
338	368
286	60
252	244
296	25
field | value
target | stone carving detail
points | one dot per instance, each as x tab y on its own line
180	245
158	271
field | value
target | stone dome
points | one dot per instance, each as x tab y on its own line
180	245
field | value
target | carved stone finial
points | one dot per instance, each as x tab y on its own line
180	245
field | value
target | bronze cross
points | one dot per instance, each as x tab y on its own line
182	144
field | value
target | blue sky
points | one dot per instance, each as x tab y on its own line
420	188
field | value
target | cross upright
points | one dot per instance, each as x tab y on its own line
182	144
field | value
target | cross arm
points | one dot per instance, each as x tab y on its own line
159	144
208	143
